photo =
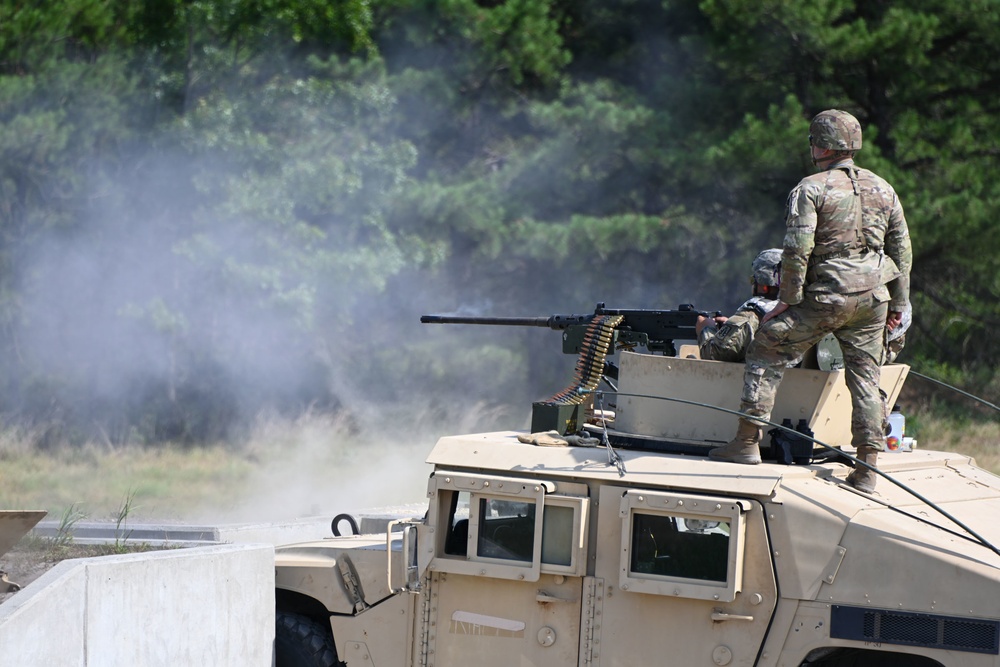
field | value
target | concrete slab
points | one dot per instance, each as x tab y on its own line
304	529
174	535
211	605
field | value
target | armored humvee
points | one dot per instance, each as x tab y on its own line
604	536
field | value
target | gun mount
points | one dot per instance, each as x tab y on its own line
593	338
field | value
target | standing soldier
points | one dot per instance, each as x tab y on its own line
843	224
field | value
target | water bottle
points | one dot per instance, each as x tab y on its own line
897	429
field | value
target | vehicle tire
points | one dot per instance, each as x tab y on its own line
865	658
299	641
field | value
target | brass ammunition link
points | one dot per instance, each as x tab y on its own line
590	362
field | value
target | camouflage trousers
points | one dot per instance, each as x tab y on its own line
858	323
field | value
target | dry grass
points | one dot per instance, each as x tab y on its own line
313	466
167	482
980	440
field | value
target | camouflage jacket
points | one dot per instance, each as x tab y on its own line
843	226
729	342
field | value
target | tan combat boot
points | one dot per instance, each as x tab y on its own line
863	479
744	448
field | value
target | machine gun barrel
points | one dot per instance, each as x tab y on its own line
556	322
656	330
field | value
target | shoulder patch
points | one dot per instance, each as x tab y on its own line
793	200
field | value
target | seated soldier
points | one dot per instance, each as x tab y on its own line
727	338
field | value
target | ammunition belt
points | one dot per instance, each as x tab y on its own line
590	363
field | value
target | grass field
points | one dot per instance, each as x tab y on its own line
310	467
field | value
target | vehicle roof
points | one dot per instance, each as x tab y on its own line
502	451
948	479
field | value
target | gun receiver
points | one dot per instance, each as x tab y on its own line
656	330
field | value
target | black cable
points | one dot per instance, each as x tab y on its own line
954	389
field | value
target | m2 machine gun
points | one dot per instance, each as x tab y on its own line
593	338
656	330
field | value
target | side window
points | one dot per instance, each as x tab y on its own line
675	546
507	528
683	546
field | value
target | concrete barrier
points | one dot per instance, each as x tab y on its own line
207	606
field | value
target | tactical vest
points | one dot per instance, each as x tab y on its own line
852	217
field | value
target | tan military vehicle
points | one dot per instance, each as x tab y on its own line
600	543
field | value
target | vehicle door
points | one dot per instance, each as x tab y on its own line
687	580
507	563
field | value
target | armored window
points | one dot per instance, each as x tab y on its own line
682	546
559	534
674	547
507	528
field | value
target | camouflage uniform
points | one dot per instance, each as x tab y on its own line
730	341
843	224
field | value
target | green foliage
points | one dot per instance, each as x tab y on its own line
518	37
125	510
37	37
516	42
70	517
310	169
204	206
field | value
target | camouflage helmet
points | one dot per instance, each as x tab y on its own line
767	268
835	130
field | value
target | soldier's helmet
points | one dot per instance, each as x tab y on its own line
767	268
836	130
